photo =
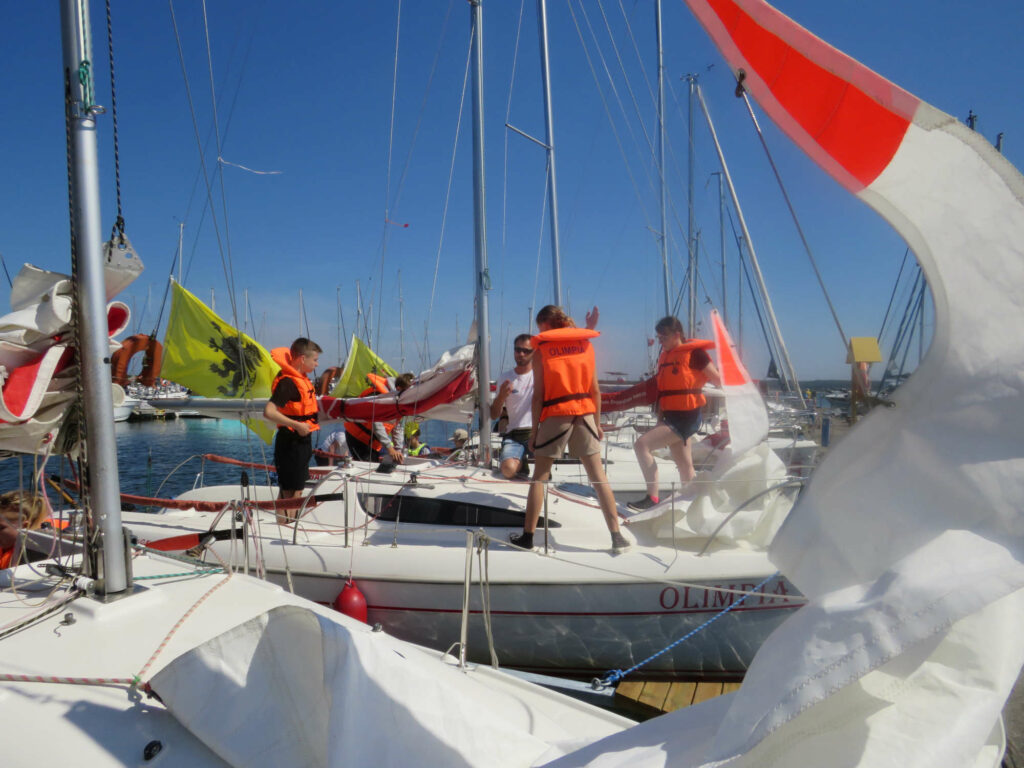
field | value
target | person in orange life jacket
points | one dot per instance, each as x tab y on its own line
566	409
365	441
684	366
18	511
293	407
515	399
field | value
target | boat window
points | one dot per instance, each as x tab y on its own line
416	509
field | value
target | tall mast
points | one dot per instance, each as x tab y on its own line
691	315
721	242
549	144
666	274
90	294
788	373
480	228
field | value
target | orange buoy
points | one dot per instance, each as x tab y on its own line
153	357
351	602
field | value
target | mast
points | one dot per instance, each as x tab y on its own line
480	228
691	316
666	274
787	373
549	144
721	242
90	295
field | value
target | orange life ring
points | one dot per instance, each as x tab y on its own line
326	378
154	355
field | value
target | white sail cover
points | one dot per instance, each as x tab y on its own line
335	693
909	540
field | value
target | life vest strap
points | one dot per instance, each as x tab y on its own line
670	392
566	399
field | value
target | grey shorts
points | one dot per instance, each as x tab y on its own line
579	432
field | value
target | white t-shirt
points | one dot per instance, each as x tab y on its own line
519	403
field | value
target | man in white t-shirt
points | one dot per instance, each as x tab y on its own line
515	395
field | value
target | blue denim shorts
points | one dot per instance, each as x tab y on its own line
513	449
683	423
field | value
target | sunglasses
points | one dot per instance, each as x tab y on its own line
524	350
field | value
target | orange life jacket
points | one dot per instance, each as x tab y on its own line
568	360
305	408
679	386
363	430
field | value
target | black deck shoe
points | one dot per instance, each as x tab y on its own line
639	506
522	540
619	543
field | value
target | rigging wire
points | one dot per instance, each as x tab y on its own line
448	190
387	176
119	222
792	212
608	113
505	174
892	297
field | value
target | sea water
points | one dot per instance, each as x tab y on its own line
163	458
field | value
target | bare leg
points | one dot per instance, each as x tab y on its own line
683	457
650	441
535	498
605	497
509	468
284	516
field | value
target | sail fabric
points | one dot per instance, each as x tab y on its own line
444	392
37	368
744	406
361	361
909	539
338	694
213	359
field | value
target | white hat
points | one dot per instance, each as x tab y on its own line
460	434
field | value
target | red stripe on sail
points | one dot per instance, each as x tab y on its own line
846	117
369	409
732	370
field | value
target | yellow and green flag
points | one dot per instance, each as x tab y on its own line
213	359
361	361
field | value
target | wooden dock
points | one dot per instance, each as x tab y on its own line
652	698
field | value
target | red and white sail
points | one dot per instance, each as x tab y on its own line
744	406
909	539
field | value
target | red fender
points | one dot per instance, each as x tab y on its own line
351	602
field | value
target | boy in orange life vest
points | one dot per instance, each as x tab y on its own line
293	407
566	410
683	368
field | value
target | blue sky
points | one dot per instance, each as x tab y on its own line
305	88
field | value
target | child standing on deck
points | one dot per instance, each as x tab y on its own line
293	407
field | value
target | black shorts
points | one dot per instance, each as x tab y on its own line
683	423
292	453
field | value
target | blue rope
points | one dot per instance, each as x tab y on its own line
613	676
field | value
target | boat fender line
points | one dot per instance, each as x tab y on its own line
151	361
351	601
613	676
216	506
313	471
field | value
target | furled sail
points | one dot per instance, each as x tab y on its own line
909	539
37	360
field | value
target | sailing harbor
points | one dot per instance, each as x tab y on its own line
338	428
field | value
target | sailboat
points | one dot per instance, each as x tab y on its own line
123	656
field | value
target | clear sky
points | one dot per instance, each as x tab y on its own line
305	89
